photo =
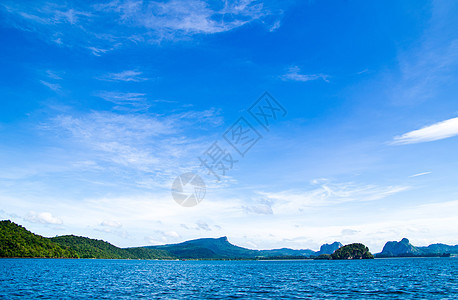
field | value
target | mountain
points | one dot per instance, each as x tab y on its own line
285	252
324	249
329	248
439	249
219	248
16	241
352	251
404	248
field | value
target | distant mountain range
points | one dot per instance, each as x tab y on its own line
404	248
16	241
221	248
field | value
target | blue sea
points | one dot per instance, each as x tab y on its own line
405	278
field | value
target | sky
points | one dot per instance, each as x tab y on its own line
105	103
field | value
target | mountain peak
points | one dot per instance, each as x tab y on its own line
329	248
399	248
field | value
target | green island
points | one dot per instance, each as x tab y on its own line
352	251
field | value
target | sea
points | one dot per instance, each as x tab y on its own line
396	278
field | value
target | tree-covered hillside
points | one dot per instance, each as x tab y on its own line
145	253
91	248
352	251
16	241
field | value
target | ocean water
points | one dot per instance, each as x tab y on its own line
405	278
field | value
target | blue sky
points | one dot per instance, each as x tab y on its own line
105	103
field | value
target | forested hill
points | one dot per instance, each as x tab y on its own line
16	241
91	248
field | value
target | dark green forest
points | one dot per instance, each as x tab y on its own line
352	251
16	241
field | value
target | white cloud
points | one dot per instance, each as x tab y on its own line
328	194
126	101
348	231
201	225
53	86
43	218
293	74
113	228
54	75
158	217
177	17
275	26
159	237
150	148
437	131
264	207
97	51
128	75
420	174
133	21
113	224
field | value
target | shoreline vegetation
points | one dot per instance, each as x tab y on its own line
17	242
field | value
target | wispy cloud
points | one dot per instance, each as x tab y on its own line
132	21
125	101
201	225
328	194
262	209
97	51
53	86
187	17
54	75
294	74
428	68
147	146
420	174
438	131
348	231
128	75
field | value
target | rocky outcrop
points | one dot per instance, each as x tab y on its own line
403	247
329	248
